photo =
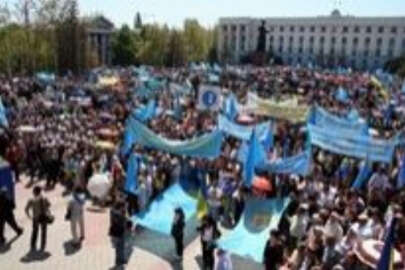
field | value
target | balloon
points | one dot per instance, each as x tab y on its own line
99	185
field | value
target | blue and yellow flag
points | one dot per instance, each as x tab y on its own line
386	261
202	206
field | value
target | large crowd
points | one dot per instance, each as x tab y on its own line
55	129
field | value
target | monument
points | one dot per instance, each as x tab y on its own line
260	56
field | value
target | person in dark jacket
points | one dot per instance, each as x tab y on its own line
273	252
178	231
117	229
7	207
209	234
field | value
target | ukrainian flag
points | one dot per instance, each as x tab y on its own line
387	255
202	206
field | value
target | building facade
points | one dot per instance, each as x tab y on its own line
328	41
99	36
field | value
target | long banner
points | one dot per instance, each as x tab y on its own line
354	145
323	119
205	146
285	110
242	132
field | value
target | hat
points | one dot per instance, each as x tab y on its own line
363	216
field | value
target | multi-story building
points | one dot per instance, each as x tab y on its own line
335	40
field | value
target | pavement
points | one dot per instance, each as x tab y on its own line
96	251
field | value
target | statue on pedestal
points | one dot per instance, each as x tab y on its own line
261	41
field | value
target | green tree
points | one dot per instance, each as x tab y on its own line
153	44
124	47
176	54
196	40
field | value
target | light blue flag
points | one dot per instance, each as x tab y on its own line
3	116
147	112
353	115
403	87
401	173
131	181
341	95
363	175
268	140
231	107
254	155
128	140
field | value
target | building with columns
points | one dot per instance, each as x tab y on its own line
99	31
328	41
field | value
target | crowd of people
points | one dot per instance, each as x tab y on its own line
55	129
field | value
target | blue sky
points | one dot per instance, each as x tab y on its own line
173	12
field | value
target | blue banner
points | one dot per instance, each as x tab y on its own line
353	145
205	146
323	119
299	164
401	173
244	132
131	181
253	229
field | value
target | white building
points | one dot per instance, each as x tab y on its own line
359	42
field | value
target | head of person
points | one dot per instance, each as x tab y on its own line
37	191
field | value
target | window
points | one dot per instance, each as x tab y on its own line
312	29
302	29
281	38
311	50
394	30
403	43
345	29
322	40
333	40
271	39
344	40
290	49
354	52
366	53
357	29
381	29
368	29
392	43
390	53
379	42
233	28
225	28
292	29
301	39
377	52
311	39
242	44
271	29
367	41
291	39
332	51
355	41
334	29
323	29
242	28
280	49
281	28
300	50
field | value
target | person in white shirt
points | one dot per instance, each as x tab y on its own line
299	223
75	215
333	228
